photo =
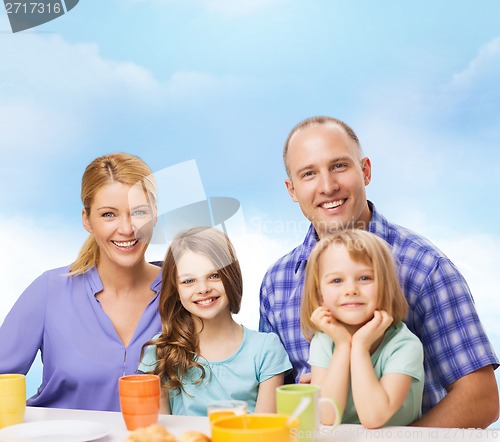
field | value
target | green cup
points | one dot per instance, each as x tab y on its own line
288	398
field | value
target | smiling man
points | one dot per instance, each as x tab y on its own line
327	176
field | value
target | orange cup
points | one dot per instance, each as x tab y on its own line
139	399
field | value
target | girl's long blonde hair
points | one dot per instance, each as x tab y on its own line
365	247
113	168
178	345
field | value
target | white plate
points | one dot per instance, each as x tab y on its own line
54	431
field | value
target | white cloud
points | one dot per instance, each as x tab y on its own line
50	90
54	93
477	258
29	247
49	67
26	126
472	97
483	70
256	254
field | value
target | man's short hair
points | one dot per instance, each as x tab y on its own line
319	120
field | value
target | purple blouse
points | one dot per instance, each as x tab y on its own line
82	355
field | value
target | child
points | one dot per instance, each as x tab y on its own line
362	355
202	354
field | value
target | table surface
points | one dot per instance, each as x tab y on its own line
114	420
344	433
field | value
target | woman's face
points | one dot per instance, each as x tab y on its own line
122	221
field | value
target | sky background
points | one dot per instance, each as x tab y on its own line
208	91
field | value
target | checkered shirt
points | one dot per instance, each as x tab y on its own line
441	314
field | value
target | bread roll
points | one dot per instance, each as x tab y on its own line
153	433
194	436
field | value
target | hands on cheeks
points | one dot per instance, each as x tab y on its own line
373	330
365	336
323	319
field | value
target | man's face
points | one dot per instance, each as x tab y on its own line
328	179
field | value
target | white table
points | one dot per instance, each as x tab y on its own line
175	424
344	433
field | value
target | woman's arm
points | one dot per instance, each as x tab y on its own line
266	397
21	333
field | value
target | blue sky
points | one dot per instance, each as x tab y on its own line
222	82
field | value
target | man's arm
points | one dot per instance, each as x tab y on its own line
454	341
471	402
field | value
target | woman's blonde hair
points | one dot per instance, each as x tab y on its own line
365	247
113	168
178	345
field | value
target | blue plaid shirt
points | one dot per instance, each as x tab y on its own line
441	314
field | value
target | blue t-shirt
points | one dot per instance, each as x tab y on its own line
259	357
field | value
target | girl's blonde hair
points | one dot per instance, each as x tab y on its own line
365	247
178	345
113	168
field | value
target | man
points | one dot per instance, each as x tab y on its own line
327	176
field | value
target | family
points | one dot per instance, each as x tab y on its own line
371	312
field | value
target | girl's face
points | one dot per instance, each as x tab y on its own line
200	287
348	287
122	223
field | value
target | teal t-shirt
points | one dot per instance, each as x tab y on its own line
400	352
260	357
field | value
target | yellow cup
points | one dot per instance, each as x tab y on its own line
12	399
225	408
254	427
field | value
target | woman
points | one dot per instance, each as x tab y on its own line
89	320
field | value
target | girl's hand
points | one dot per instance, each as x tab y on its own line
323	319
373	330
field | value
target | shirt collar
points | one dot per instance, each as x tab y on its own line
306	247
95	281
378	223
96	284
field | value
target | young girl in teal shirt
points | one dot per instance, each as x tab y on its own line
362	355
203	354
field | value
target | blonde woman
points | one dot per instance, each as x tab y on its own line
362	355
203	354
90	319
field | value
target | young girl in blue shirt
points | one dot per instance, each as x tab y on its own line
362	355
202	353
